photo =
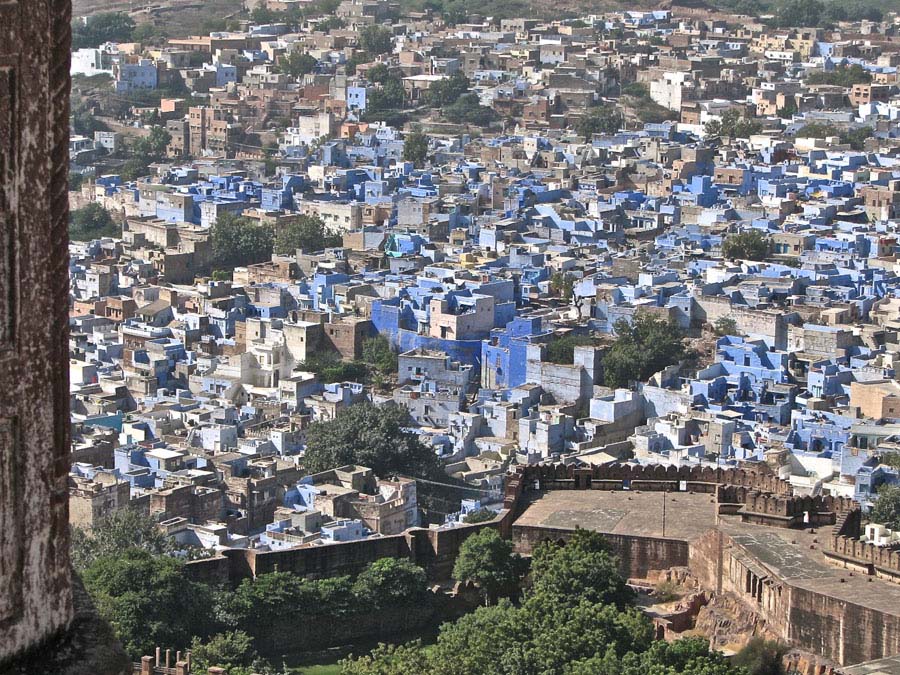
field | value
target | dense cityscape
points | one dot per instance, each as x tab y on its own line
456	338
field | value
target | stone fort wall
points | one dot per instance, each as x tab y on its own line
810	619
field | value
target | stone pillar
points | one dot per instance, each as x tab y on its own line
36	601
146	665
47	623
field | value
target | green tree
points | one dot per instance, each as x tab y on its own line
380	73
799	13
152	147
389	583
732	124
467	109
330	368
258	606
330	23
761	657
886	509
375	40
481	515
355	60
389	660
415	148
563	635
148	600
842	76
445	92
372	436
577	619
133	169
306	233
378	353
262	15
100	28
386	100
562	283
237	241
583	569
488	561
232	651
297	63
746	245
562	349
856	138
84	122
119	531
642	348
725	325
636	89
487	641
599	120
788	111
92	221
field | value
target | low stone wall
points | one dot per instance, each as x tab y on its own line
434	550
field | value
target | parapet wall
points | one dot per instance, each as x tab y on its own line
569	477
846	548
757	495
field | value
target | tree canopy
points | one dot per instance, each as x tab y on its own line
583	569
375	40
100	28
306	233
148	601
389	582
233	651
119	531
415	148
577	618
642	348
733	124
855	138
599	120
444	92
372	436
92	221
152	148
562	349
761	657
746	245
842	76
297	63
886	510
467	109
237	241
377	353
489	562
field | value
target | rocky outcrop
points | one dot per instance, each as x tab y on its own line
728	622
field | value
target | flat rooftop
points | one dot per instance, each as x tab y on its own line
687	516
888	666
797	557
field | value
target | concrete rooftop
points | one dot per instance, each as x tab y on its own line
687	516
